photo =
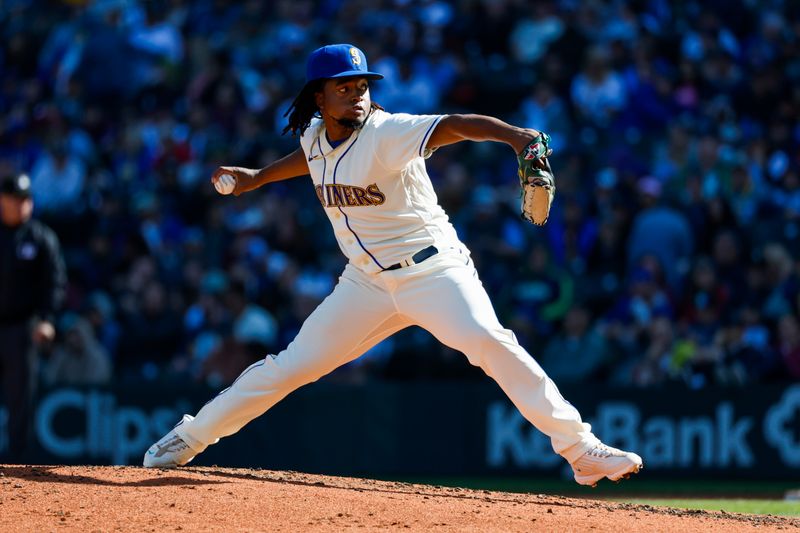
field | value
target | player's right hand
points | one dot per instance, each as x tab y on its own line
243	177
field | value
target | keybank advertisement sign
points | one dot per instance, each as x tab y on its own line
693	430
93	426
455	428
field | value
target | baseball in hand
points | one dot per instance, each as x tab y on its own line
225	184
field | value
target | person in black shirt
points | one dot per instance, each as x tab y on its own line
32	283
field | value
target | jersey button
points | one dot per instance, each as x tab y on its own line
349	241
337	215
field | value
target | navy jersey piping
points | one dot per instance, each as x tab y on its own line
220	393
347	220
324	163
427	134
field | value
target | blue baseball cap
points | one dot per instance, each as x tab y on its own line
338	61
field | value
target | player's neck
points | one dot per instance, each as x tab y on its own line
336	131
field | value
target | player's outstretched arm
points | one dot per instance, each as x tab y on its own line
247	179
531	146
456	128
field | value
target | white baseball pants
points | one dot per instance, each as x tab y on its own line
442	295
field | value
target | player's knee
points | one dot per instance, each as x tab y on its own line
478	343
293	372
481	342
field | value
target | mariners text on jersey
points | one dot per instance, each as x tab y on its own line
337	195
376	191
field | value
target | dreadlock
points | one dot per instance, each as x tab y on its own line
304	108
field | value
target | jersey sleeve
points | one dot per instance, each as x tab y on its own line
401	138
308	137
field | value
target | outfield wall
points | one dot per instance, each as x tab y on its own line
435	429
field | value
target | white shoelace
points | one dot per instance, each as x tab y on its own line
602	451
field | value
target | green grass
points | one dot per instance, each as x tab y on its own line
636	486
774	507
752	497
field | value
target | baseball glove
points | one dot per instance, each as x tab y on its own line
536	180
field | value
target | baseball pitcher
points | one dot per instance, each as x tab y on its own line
406	264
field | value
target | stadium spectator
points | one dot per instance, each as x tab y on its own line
674	244
77	359
579	353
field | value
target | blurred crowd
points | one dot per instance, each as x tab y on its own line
672	254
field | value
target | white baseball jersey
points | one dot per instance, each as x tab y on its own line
376	191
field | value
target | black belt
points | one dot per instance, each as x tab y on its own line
418	257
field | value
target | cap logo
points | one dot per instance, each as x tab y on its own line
355	57
24	182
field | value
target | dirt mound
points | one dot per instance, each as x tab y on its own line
102	498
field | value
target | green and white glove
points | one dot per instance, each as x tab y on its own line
536	180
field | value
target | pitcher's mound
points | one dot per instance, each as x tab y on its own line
107	498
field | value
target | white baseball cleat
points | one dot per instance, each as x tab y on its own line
605	461
169	452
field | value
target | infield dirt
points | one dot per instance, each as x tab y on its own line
107	498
